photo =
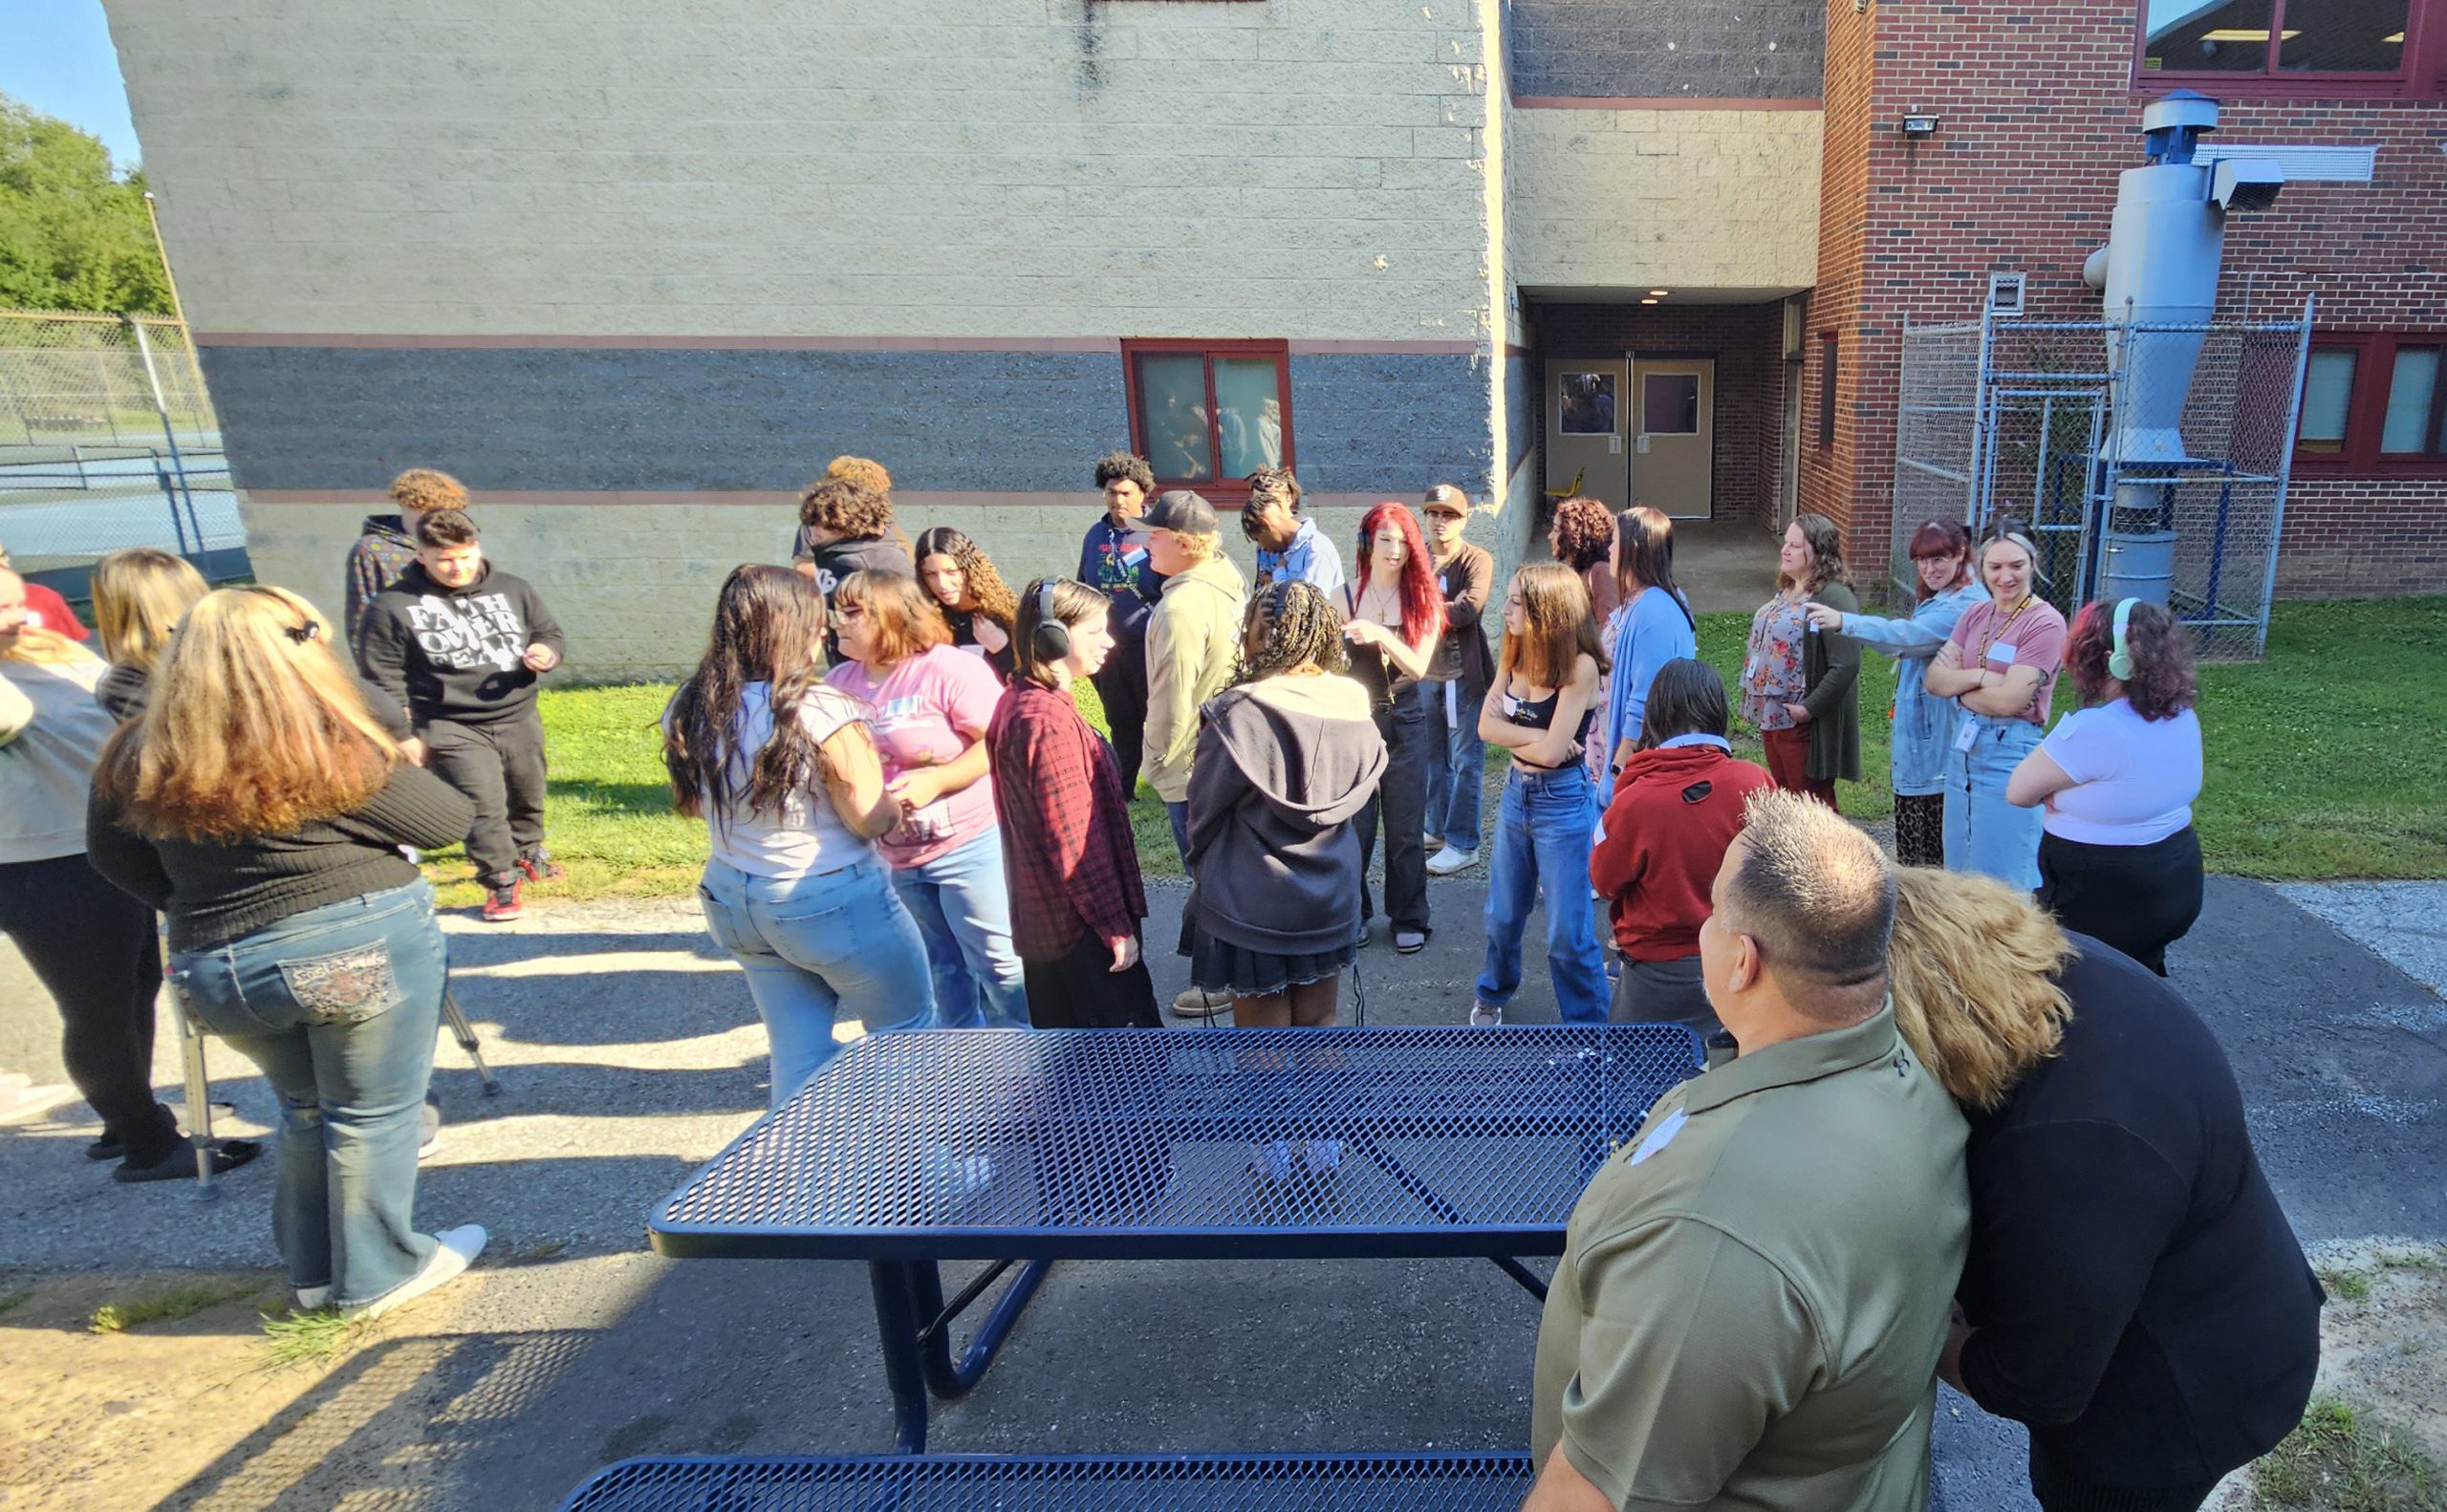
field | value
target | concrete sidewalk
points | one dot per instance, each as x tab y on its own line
630	1054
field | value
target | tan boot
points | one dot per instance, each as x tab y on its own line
1197	1002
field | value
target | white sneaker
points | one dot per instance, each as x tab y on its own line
1197	1002
1482	1016
1321	1156
314	1299
456	1247
1447	861
1431	839
1273	1161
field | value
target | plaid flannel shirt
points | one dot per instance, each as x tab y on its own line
1067	846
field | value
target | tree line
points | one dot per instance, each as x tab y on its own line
73	234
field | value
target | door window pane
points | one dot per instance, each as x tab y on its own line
2343	37
1250	408
2328	395
1171	401
2188	36
1669	403
2411	391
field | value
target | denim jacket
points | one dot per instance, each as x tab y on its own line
1924	724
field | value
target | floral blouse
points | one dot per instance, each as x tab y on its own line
1771	672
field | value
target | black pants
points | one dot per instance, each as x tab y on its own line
96	951
2140	898
1121	683
1401	801
1663	992
1080	990
499	765
2059	1489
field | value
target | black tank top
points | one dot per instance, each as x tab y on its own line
1539	714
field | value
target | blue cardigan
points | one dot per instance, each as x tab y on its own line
1655	629
1924	724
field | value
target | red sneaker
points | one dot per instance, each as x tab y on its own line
538	866
501	898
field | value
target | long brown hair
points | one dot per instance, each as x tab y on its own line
1973	969
139	596
1556	629
1075	603
905	618
1644	557
253	727
1826	545
768	627
987	593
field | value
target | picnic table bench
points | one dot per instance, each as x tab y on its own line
1027	1146
1394	1482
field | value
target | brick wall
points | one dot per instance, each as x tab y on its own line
2038	115
1748	343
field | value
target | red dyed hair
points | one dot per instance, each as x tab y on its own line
1422	606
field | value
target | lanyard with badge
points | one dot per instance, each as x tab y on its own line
1992	644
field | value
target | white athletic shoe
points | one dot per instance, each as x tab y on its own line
1447	861
314	1299
1482	1016
457	1246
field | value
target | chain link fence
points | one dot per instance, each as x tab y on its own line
108	439
2146	461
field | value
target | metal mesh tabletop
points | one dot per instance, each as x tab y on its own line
1119	1143
1432	1483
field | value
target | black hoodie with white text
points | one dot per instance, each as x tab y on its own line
456	654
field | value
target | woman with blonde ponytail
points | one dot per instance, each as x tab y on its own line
2133	1294
261	805
92	947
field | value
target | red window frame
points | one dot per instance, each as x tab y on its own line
2421	73
1216	489
2366	409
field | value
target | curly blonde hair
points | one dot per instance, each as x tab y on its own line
864	471
1973	969
425	491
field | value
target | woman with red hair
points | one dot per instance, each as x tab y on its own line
1396	617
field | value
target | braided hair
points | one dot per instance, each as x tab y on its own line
1289	626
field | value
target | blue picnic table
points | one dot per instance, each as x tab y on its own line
1027	1146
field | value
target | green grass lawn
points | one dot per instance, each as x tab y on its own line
2323	760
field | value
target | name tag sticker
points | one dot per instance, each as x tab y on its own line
1660	1136
2002	651
1963	737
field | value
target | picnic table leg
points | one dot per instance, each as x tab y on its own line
897	1321
945	1378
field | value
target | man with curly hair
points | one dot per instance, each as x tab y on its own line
1290	547
1110	559
845	527
387	543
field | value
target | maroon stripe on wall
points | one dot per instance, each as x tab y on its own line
1657	102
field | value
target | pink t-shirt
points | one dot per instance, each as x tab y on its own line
2031	636
925	712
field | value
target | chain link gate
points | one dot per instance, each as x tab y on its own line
2031	422
108	439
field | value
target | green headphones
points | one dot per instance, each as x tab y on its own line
2119	662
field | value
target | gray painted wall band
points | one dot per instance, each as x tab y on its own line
562	419
1711	49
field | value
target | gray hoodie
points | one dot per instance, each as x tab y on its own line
1282	767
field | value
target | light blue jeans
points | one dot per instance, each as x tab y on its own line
813	947
1542	831
1984	834
963	913
339	1005
1454	784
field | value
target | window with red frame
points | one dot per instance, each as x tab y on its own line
2282	47
2374	401
1207	414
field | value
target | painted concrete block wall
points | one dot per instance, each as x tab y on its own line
1706	48
1678	199
891	167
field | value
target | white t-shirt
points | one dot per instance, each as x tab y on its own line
806	836
2135	779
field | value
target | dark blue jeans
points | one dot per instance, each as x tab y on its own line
1541	839
339	1005
1457	761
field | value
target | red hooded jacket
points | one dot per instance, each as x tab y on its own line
1675	810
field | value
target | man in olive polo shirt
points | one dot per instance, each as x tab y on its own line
1756	1288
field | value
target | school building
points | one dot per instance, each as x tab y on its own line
636	270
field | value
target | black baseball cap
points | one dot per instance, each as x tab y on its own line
1177	509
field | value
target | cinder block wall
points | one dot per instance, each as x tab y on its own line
635	273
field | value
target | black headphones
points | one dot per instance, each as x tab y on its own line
1050	639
